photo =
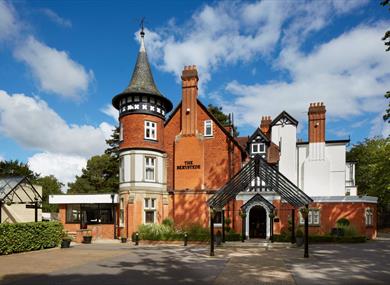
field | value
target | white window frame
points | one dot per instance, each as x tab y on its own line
150	206
150	163
150	130
314	217
258	145
208	125
369	217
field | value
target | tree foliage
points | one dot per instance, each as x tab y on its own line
372	169
222	118
101	175
50	186
113	144
386	39
17	168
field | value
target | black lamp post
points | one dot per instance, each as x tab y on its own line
211	232
114	213
36	208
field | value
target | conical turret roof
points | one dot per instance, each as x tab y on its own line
142	81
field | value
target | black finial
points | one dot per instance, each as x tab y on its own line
142	33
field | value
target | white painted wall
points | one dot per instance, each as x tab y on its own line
321	169
286	138
134	173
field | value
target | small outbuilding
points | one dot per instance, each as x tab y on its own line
20	200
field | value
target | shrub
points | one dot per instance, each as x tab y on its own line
343	222
29	236
154	231
232	236
299	233
168	222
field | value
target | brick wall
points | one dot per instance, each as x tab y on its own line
133	132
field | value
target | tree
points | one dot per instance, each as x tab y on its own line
386	116
50	185
17	168
101	175
386	39
222	118
113	144
372	169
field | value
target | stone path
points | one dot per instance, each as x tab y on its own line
234	263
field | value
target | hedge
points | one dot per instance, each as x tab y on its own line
29	236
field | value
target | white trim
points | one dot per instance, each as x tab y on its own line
208	123
149	209
152	166
152	127
267	225
83	199
345	199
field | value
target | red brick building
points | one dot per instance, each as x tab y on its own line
171	166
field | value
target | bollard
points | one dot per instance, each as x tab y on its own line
136	238
185	239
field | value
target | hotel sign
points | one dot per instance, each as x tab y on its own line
188	164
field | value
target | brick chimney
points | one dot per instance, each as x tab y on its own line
265	124
316	122
189	96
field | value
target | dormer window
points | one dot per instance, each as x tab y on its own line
258	148
150	130
208	128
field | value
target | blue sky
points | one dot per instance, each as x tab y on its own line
61	62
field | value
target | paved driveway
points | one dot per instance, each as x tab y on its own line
116	264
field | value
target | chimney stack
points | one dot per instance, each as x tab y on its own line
265	124
317	122
189	79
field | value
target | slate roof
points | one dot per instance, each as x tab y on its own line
142	81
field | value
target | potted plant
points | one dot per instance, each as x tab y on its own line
66	240
299	237
123	236
87	237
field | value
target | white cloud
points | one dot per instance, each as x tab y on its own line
63	167
33	124
349	74
56	18
54	70
379	127
231	32
8	21
2	158
110	111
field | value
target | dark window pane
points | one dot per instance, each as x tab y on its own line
149	216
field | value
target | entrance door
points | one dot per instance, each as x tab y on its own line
257	222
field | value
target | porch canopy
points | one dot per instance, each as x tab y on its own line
9	195
258	167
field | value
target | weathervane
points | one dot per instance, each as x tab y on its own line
142	33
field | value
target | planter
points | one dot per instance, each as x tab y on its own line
123	239
65	243
87	239
299	241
